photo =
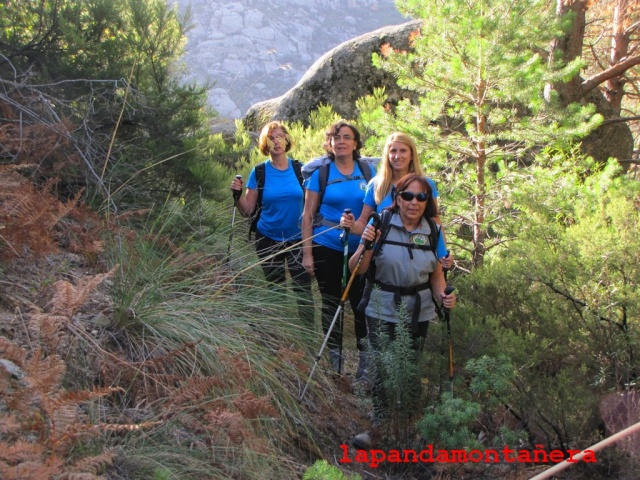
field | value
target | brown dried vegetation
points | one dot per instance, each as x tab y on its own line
33	221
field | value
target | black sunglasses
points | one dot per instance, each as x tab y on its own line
408	196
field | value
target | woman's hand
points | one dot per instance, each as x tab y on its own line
370	236
347	220
447	261
448	301
236	185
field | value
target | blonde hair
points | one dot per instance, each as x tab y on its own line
384	175
265	145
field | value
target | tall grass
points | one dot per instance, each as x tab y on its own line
216	354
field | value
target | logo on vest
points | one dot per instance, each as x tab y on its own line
363	186
418	239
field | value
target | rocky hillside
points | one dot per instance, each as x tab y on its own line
253	50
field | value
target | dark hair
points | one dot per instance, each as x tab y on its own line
430	210
333	130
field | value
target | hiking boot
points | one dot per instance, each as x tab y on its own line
362	372
336	360
362	441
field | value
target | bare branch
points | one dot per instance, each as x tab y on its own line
612	72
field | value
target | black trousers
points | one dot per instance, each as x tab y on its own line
380	396
328	267
275	271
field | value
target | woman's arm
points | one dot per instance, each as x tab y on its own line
368	236
438	284
245	204
310	207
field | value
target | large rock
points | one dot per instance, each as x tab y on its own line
338	78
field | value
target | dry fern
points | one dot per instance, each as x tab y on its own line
33	221
50	328
47	421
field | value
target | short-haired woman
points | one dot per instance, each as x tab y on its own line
277	230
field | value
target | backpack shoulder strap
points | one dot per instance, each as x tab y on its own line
324	179
297	168
385	221
367	171
260	171
434	236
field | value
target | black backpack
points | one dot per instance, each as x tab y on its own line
385	220
260	179
367	173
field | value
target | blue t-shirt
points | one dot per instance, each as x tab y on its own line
340	193
282	202
370	200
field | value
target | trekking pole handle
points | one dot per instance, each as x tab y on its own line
447	291
236	193
374	220
344	236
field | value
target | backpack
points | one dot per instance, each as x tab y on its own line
385	220
261	169
323	163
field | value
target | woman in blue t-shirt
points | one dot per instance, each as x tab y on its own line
277	230
323	255
399	157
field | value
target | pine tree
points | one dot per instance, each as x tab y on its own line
480	68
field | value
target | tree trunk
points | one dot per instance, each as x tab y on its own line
479	227
612	139
570	47
614	87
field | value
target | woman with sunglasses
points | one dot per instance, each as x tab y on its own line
404	276
399	157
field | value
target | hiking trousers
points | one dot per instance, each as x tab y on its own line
275	271
381	333
328	266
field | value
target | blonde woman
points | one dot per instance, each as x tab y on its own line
399	157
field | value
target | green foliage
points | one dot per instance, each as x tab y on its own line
397	370
225	346
109	71
321	470
447	424
491	378
556	307
309	138
477	69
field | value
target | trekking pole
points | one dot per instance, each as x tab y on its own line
236	196
374	219
447	319
344	238
445	270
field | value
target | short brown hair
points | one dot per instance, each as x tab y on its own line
264	144
333	130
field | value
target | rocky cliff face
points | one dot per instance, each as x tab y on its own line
253	50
